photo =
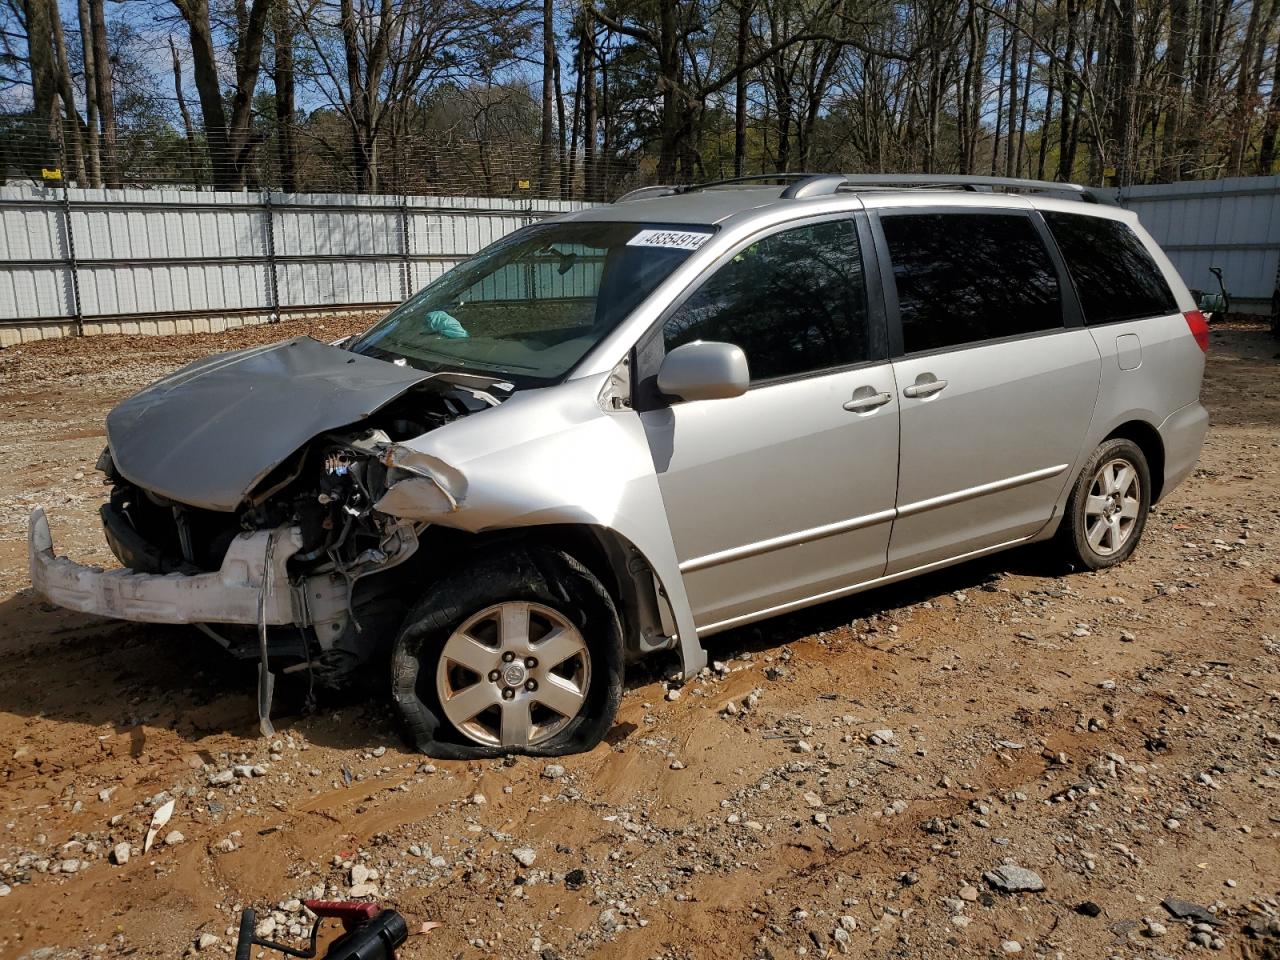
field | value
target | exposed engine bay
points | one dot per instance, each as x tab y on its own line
325	494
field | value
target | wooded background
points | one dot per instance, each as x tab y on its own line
584	98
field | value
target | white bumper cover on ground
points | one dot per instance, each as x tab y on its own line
234	594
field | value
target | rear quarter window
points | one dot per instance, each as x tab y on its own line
1114	275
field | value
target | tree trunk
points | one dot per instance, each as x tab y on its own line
669	83
1026	99
72	134
1000	91
560	134
590	122
364	160
90	96
229	139
576	120
204	68
283	40
1207	63
1047	122
1123	132
1246	84
44	81
188	127
105	92
1175	89
547	152
603	181
1011	148
1066	120
965	107
740	90
1267	147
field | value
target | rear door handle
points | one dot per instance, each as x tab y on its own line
864	400
926	389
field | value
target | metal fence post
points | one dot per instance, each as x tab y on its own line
72	264
405	265
273	277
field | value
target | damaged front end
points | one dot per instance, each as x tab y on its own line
281	546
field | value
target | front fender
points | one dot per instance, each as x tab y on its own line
546	456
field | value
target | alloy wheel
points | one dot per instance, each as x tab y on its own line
513	675
1112	508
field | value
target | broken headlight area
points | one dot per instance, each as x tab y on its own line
344	555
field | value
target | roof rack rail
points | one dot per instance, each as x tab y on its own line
967	181
802	185
667	190
823	184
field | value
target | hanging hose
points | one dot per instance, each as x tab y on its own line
266	680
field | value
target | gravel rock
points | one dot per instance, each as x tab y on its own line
120	854
1186	910
1011	879
525	856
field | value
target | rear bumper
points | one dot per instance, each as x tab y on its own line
251	587
1182	434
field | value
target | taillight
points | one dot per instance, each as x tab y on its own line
1199	328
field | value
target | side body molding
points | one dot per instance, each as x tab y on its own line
546	456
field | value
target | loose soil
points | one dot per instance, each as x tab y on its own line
1117	733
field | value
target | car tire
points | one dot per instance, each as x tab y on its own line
461	647
1108	506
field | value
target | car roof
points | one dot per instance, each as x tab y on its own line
722	203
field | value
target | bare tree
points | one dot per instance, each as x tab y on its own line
231	140
103	92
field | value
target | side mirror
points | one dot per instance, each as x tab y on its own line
704	370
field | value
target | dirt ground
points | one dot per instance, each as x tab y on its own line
1118	734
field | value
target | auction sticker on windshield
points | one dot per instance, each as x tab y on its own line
669	239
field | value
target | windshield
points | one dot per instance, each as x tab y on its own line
530	306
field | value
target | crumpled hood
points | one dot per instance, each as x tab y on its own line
206	435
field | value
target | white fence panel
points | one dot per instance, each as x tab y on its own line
1231	224
148	254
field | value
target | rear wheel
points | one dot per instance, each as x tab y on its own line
520	652
1108	506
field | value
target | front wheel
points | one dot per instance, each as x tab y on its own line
518	652
1108	506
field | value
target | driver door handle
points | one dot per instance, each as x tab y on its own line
866	402
926	389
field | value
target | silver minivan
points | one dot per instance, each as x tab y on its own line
624	429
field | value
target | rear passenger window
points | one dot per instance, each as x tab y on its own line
967	277
795	302
1114	276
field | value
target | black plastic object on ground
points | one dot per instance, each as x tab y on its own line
369	933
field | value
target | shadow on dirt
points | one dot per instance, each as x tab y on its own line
71	667
1036	560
